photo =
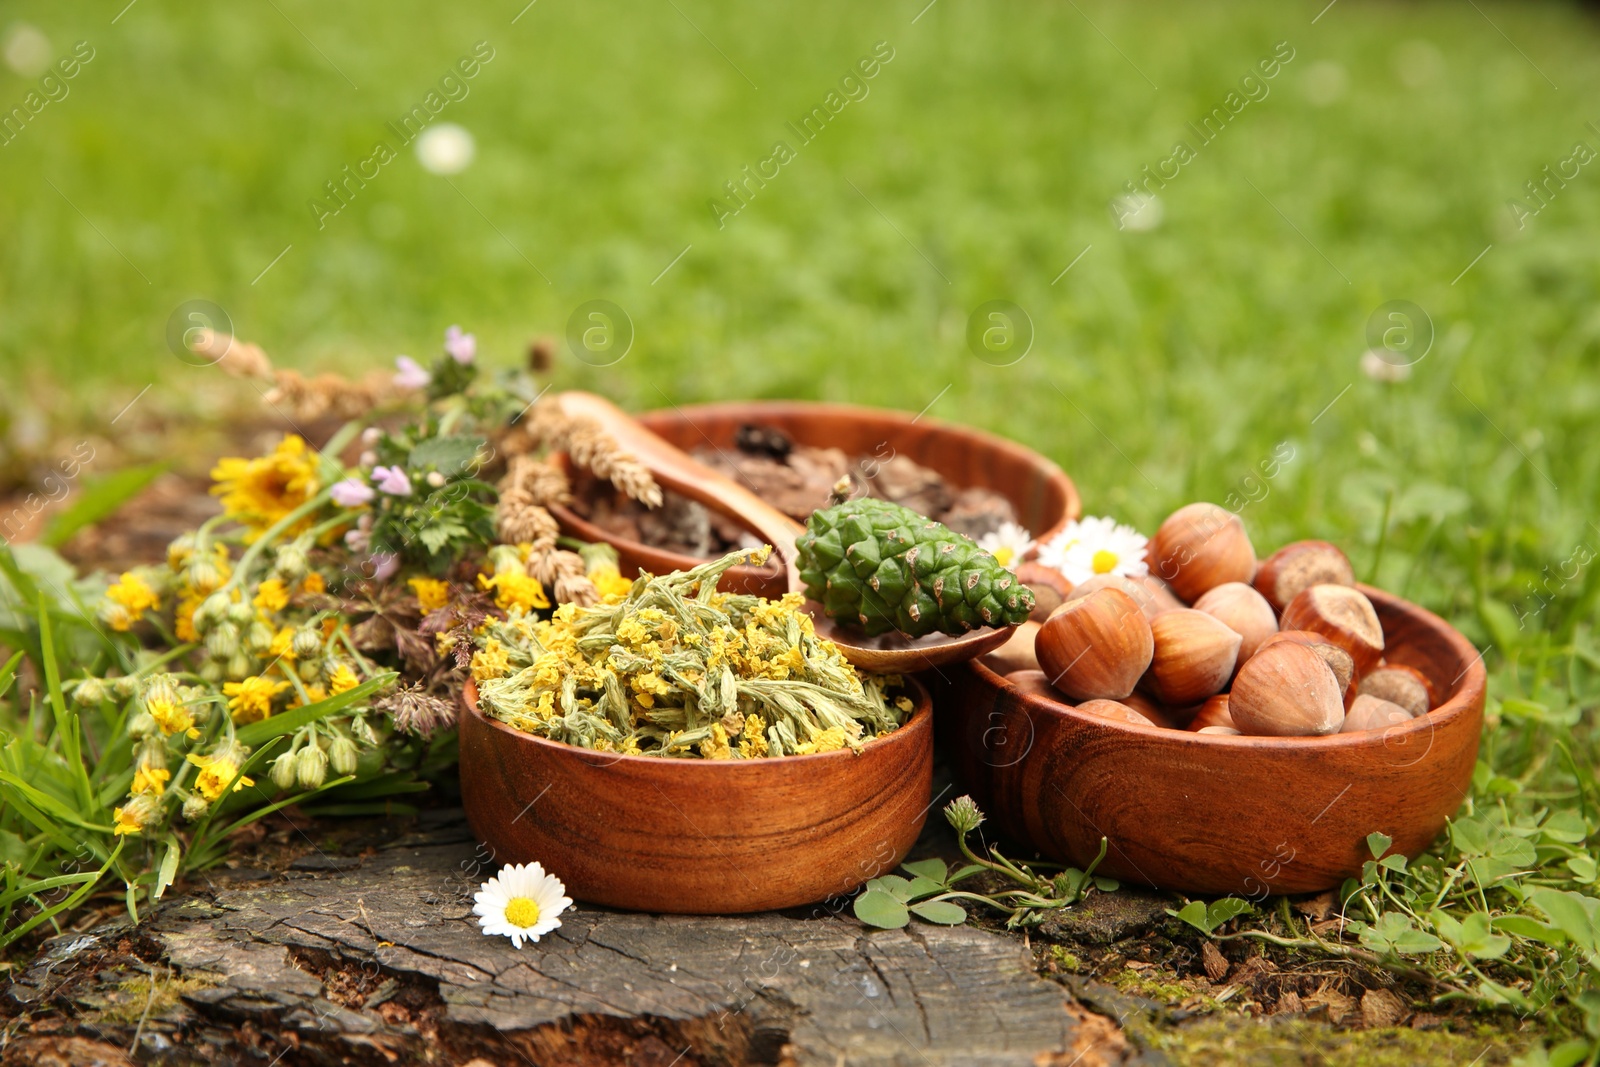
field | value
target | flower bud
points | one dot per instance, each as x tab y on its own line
963	814
258	638
141	724
194	807
161	687
291	562
211	611
435	479
310	670
342	755
88	692
363	731
179	551
311	766
283	770
240	613
307	643
203	574
152	753
124	687
371	436
223	640
241	665
115	615
213	671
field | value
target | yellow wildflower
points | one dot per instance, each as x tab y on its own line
183	620
610	582
716	746
829	740
753	739
316	693
135	596
252	698
313	583
173	718
215	774
127	821
152	780
514	590
343	680
271	595
630	746
490	661
282	644
432	594
259	492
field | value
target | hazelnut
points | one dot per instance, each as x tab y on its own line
1115	711
1151	710
1200	547
1299	566
1095	647
1017	654
1286	690
1344	616
1401	685
1194	656
1152	596
1337	659
1242	610
1372	713
1050	587
1035	683
1213	712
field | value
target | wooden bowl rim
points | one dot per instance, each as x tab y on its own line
918	724
1051	471
1469	691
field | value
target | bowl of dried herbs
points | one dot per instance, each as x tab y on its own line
676	748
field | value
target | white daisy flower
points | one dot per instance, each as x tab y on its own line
1094	546
1009	545
521	902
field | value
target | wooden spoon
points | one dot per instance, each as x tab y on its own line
675	470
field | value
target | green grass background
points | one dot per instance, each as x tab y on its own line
1167	364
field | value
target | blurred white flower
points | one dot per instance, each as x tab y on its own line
1008	545
1325	82
445	148
1375	366
1138	212
27	50
1091	546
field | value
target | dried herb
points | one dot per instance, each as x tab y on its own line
675	668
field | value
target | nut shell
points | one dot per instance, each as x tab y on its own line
1371	713
1200	547
1401	685
1018	653
1096	647
1298	566
1344	616
1244	611
1050	587
1337	659
1036	683
1213	712
1193	659
1286	690
1115	711
1152	595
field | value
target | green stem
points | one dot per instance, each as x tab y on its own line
272	533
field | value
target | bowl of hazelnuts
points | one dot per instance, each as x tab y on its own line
1228	725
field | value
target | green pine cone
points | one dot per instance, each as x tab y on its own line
884	567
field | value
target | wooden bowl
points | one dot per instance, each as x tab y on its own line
697	836
1043	497
1217	814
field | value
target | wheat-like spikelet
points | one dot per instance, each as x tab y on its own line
518	520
